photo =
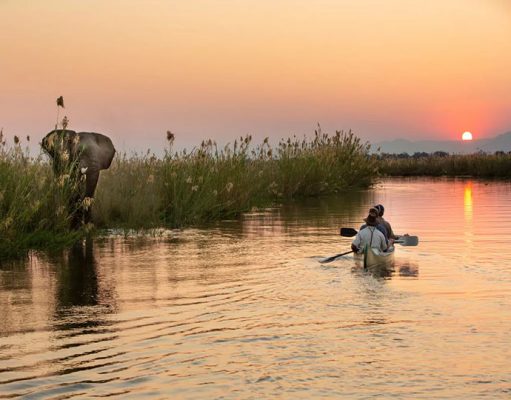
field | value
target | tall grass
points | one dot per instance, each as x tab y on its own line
479	165
179	189
212	183
33	204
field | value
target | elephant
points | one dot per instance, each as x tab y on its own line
78	154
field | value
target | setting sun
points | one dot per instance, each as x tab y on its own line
466	136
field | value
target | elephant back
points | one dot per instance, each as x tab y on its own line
97	149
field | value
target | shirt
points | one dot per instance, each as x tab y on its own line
372	237
390	233
382	228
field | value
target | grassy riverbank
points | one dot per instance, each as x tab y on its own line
177	190
477	165
33	211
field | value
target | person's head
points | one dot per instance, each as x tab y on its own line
380	209
372	217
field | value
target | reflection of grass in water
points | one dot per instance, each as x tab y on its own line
481	165
180	189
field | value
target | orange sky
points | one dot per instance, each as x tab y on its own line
223	68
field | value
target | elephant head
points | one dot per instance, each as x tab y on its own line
83	153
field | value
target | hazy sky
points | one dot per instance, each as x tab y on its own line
223	68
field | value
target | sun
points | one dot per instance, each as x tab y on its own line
466	136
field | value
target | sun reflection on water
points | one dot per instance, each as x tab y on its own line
468	201
468	212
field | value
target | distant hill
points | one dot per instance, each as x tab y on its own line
497	143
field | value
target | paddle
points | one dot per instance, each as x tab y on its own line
333	258
404	240
407	240
348	232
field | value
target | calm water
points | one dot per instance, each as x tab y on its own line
244	310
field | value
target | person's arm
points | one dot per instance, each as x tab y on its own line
355	245
383	229
383	243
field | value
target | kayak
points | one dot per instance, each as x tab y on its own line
375	258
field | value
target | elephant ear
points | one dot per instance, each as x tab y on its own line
48	143
73	140
51	141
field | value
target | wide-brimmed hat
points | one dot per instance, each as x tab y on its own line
371	219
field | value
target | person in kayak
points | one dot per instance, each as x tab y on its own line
381	227
370	235
381	221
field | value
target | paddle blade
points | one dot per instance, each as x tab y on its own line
327	260
348	232
408	241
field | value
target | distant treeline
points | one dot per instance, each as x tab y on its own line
440	163
176	190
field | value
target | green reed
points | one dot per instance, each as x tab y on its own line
33	203
478	165
212	183
179	189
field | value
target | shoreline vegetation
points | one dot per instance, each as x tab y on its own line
177	190
477	165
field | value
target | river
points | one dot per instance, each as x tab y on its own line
243	309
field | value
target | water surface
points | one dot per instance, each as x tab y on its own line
243	309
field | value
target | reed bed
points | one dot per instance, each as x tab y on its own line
33	204
479	165
179	189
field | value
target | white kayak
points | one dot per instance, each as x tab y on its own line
375	258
